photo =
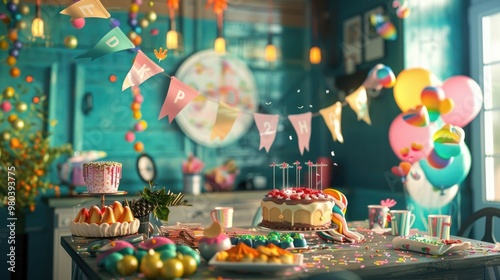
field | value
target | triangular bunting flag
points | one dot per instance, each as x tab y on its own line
142	69
226	116
302	125
267	126
332	116
358	101
112	42
178	96
86	9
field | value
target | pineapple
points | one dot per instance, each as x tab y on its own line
156	201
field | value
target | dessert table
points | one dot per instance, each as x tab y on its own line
374	258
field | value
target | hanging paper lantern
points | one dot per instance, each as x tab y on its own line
11	60
29	79
144	23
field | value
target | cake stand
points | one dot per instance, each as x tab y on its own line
103	196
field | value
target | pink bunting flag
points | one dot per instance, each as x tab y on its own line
302	125
86	9
142	69
267	126
226	116
178	96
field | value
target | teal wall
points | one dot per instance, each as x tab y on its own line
364	159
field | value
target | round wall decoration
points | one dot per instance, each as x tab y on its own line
218	79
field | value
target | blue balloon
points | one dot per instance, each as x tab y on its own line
454	173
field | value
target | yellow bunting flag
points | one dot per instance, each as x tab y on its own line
358	101
332	116
226	116
86	9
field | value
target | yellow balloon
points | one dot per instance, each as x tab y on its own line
409	86
446	106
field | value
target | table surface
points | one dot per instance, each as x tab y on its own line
374	258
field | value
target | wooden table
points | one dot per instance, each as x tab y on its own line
374	258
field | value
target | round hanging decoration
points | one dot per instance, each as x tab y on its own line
218	79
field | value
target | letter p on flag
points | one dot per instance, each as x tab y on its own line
178	96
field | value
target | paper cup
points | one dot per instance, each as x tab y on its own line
439	226
401	222
223	215
378	216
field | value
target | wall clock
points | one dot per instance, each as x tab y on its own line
217	78
146	168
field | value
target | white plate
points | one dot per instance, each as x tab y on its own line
403	243
255	267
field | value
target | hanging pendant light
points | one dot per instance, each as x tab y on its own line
315	51
37	26
218	7
270	52
172	37
315	55
220	45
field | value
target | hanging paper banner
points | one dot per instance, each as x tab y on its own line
358	101
112	42
267	126
332	116
302	125
142	69
178	96
86	9
226	116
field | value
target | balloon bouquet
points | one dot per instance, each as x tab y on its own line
428	137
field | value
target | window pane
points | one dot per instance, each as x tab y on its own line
491	85
492	133
492	179
491	38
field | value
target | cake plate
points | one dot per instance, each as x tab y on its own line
332	227
103	196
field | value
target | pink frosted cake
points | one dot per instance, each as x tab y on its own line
102	176
297	209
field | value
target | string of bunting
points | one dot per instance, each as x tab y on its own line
179	94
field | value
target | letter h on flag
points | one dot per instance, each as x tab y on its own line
302	125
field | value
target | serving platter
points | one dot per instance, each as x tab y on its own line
430	246
255	267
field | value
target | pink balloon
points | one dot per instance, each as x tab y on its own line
467	98
410	143
78	23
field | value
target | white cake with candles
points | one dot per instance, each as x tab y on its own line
296	208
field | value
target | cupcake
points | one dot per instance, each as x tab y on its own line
102	176
286	241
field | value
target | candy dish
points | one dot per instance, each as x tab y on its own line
428	245
255	267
